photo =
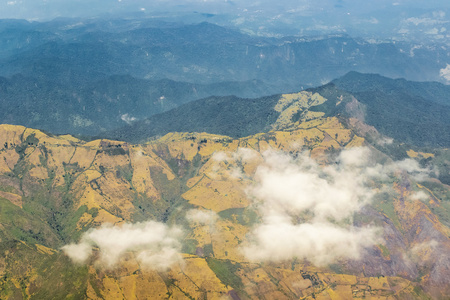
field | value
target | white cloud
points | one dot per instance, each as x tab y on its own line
445	73
155	244
235	162
203	217
220	156
439	14
421	252
245	154
127	118
420	195
432	31
307	209
411	166
320	243
425	246
385	141
79	253
289	190
423	21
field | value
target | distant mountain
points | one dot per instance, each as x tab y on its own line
410	112
88	50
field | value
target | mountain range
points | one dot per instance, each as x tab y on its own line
143	159
195	215
410	112
79	50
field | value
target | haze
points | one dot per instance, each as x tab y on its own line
378	19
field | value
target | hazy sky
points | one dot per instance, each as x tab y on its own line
49	9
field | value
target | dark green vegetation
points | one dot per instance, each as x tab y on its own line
225	270
104	104
417	113
230	116
410	112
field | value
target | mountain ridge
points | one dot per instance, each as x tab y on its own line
394	115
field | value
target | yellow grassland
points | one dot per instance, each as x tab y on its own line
195	278
218	185
84	221
39	173
413	154
356	142
8	159
141	163
202	234
83	156
226	238
291	104
111	289
217	195
13	198
11	134
45	250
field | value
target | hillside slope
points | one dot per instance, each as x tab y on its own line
195	215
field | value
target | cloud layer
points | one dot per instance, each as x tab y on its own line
155	245
306	209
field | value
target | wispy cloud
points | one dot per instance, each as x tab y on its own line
445	73
127	118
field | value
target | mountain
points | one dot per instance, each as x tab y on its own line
417	113
231	116
413	112
81	51
201	215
